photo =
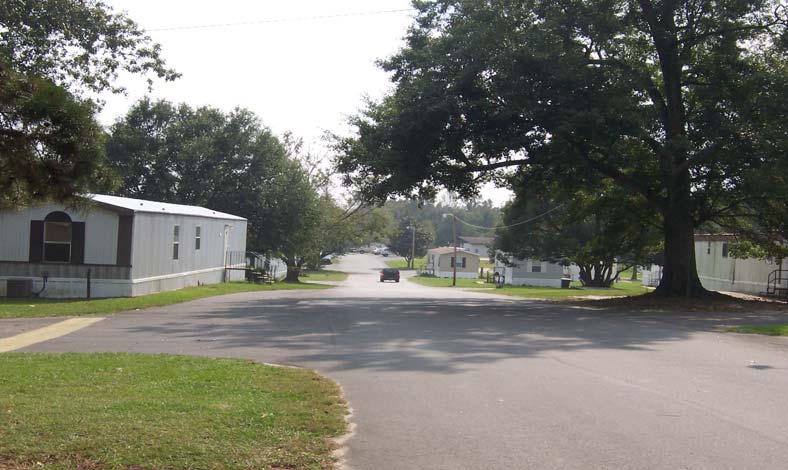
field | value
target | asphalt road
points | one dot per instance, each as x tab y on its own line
449	379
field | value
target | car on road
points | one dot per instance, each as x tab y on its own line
389	274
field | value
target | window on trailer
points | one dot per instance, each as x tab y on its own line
197	238
176	235
57	242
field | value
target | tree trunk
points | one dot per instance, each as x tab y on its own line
597	274
293	270
634	276
679	274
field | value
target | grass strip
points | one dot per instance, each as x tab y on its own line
139	411
323	275
402	264
29	308
622	288
771	330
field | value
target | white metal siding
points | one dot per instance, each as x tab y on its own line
153	239
730	274
101	232
521	274
471	262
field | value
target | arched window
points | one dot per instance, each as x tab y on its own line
57	238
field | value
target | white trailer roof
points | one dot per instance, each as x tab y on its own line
140	205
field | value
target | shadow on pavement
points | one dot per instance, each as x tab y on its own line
445	336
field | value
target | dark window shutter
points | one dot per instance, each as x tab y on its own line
78	243
125	229
36	241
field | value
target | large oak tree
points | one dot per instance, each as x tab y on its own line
681	103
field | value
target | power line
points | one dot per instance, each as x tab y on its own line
513	225
280	20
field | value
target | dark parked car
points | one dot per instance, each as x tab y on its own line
389	274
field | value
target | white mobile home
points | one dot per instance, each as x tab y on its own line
479	245
440	263
719	271
530	272
116	247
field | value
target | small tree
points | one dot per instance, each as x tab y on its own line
409	235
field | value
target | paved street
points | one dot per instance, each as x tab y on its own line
450	379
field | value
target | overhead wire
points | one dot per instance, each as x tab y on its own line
512	225
280	20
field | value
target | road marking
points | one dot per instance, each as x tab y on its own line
46	333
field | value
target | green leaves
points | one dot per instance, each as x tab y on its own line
678	106
411	237
80	45
51	147
226	161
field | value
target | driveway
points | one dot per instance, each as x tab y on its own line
442	378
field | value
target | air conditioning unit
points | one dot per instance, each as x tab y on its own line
19	288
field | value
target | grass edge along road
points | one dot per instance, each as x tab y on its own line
770	330
121	411
622	288
30	308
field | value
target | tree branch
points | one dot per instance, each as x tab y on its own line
613	172
645	81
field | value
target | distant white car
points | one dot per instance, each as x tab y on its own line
376	251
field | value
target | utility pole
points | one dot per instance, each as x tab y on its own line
454	242
413	247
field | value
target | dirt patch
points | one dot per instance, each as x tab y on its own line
714	302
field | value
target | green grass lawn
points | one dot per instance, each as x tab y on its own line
619	289
771	330
627	274
446	282
137	411
486	265
400	263
323	275
26	308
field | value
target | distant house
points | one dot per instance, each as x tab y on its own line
479	245
116	247
530	272
651	275
440	263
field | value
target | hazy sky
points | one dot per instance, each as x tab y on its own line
302	66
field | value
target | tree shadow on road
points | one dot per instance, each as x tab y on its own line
444	336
